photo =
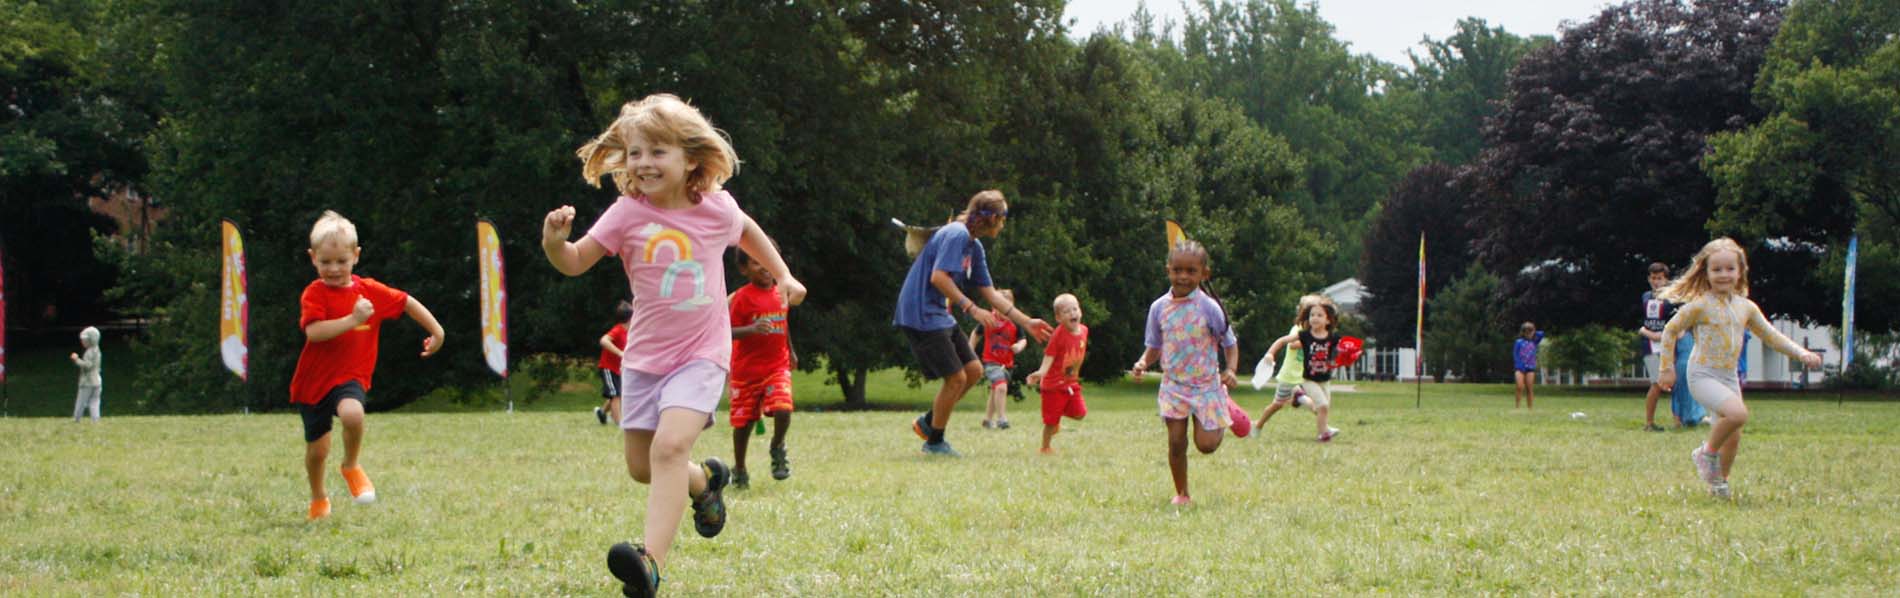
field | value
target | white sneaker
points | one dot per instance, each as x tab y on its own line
1719	490
1706	465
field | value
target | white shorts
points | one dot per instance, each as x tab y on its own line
694	386
1712	388
1320	393
1652	363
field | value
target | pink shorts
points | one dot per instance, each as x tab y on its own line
695	386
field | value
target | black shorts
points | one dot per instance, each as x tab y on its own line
939	352
609	384
316	418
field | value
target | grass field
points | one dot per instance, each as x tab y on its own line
1463	496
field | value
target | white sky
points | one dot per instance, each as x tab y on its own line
1383	28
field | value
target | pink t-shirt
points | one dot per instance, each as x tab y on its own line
675	263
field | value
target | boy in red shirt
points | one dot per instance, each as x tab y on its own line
762	363
341	316
998	345
612	346
1061	362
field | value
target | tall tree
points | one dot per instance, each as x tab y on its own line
1821	166
1431	202
1458	82
70	129
1591	169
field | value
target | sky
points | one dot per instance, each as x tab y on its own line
1383	28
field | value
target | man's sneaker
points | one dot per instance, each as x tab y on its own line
1654	428
921	427
638	574
360	487
781	466
1706	465
709	508
319	509
940	449
741	480
1242	425
1719	490
600	414
1002	424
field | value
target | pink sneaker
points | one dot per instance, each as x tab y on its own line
1242	425
1179	500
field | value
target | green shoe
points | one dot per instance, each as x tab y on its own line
709	508
638	574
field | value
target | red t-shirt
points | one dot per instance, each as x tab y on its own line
609	360
997	341
1065	351
348	356
759	355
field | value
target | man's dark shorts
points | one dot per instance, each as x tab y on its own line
939	352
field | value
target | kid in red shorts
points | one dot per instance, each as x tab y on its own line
1061	363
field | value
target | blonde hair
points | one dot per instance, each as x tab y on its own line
1325	303
1299	313
332	227
1694	282
660	118
1066	299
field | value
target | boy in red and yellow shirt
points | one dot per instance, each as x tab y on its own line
1061	363
762	363
341	316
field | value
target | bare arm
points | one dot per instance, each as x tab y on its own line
1035	378
421	315
607	343
318	332
1035	327
1147	359
1774	339
569	258
1685	318
1229	376
1280	343
754	243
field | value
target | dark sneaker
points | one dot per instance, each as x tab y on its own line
940	449
600	414
1002	425
921	427
709	508
639	576
781	466
1653	428
741	480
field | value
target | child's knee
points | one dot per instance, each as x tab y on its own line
1206	445
640	472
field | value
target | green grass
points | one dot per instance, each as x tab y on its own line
1464	496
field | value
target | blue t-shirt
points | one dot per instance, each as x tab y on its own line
1656	314
1524	352
920	306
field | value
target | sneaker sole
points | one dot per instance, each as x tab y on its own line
917	427
717	477
366	498
624	561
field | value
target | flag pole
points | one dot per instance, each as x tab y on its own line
1418	339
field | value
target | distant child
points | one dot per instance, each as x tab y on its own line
1286	388
342	315
1317	345
1524	358
1059	377
670	226
613	344
90	386
1715	304
762	364
998	344
1189	336
1656	313
951	261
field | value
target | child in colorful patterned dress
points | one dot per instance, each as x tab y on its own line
1189	335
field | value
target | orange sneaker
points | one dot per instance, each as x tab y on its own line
360	487
319	509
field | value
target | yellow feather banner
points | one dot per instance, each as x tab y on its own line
1175	235
234	306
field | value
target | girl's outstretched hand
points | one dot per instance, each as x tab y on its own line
1041	330
1811	359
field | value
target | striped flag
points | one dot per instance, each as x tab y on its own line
1847	305
1418	338
494	298
234	313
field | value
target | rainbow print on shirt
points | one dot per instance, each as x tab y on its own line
659	238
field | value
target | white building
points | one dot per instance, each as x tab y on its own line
1766	368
